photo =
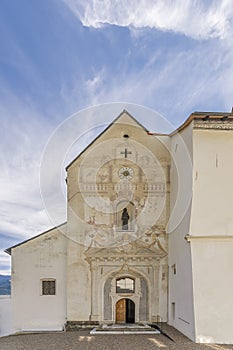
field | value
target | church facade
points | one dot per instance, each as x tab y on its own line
148	237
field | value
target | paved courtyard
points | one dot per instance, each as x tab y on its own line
82	340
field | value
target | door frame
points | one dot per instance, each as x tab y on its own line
126	316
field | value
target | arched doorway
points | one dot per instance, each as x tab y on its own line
125	311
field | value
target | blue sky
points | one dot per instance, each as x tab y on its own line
61	56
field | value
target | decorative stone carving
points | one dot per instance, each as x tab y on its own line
213	124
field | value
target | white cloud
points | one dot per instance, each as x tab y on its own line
94	82
188	80
194	18
4	263
197	76
175	80
22	139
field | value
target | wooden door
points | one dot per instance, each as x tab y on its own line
121	311
130	311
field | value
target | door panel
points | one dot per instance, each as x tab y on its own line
121	311
130	311
125	311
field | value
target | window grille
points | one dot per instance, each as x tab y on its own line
48	287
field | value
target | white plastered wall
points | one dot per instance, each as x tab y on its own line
40	258
5	315
212	228
180	300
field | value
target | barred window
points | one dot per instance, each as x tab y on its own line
48	287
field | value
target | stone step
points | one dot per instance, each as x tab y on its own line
124	329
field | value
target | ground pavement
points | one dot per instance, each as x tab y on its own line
82	340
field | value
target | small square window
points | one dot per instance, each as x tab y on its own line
125	285
48	287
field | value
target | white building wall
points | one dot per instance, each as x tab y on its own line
213	285
40	258
6	326
180	300
212	235
213	192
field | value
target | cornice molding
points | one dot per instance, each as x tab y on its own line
121	259
213	124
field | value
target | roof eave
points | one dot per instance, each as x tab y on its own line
8	250
201	115
102	132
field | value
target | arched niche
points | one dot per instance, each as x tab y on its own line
131	211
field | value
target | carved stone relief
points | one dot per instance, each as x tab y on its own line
213	124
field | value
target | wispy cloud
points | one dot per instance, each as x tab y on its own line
4	263
176	78
148	64
22	142
196	19
175	83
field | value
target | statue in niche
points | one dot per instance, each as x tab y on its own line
125	219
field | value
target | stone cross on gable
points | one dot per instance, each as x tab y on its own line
126	152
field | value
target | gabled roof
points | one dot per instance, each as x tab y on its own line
193	116
108	127
8	250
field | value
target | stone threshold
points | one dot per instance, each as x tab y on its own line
124	329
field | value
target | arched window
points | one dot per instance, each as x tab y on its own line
125	285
